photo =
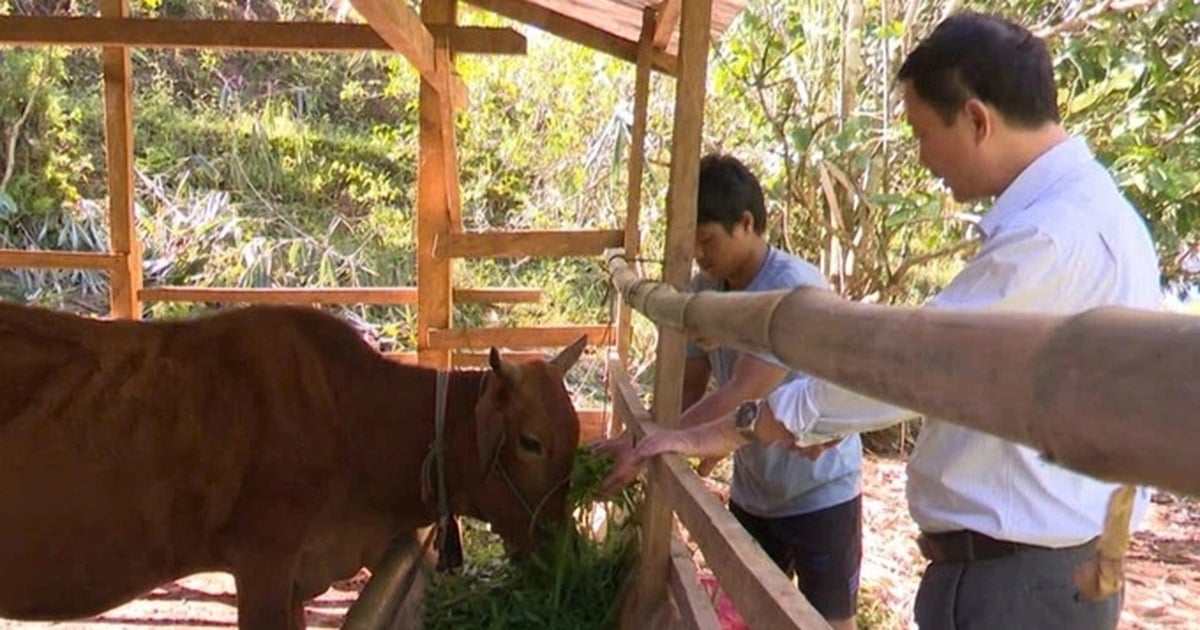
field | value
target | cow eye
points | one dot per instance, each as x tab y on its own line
531	444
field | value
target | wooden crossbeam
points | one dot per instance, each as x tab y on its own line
537	243
238	35
332	295
403	30
42	259
531	337
574	30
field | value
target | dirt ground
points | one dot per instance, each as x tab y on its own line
1162	591
1162	567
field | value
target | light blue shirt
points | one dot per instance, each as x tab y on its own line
1060	239
770	480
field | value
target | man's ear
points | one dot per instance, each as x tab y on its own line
747	221
980	117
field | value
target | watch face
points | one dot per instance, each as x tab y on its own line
746	414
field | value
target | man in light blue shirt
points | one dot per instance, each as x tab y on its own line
805	513
1003	529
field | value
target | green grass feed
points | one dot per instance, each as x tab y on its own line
571	585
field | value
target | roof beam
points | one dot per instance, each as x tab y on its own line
237	34
668	20
404	31
574	30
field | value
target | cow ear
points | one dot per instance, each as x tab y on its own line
569	355
508	373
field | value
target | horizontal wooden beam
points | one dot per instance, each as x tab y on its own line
537	243
532	337
42	259
330	295
237	35
690	597
763	595
574	30
498	295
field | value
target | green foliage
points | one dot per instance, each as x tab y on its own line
570	584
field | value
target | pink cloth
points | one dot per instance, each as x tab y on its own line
727	614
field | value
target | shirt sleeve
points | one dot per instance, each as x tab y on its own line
1022	269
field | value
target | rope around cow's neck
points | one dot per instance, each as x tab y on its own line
439	448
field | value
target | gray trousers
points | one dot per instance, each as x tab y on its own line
1029	590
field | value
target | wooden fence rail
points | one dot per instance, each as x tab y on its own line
762	594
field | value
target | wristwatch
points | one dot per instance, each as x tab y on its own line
746	418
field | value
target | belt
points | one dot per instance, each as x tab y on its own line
966	546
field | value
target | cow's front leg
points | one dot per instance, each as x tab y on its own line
265	597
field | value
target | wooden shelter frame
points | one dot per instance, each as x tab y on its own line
673	39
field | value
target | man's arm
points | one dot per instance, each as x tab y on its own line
752	377
696	374
1019	270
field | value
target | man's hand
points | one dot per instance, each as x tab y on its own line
629	460
706	465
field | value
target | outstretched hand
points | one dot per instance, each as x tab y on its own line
629	460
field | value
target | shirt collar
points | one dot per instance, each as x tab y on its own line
1041	173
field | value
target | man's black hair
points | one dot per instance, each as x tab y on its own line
728	189
970	55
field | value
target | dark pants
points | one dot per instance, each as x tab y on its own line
1030	589
823	549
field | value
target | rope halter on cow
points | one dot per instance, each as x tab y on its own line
436	459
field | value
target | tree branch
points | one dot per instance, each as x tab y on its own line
1080	18
14	133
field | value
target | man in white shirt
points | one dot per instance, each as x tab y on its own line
1003	529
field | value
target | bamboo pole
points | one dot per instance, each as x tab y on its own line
1110	392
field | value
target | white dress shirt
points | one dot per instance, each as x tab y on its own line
1060	239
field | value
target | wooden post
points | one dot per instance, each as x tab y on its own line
125	279
637	162
649	589
437	191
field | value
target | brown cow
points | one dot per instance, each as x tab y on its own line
268	442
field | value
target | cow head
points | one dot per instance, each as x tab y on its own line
527	432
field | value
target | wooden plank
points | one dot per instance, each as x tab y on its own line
280	295
330	295
43	259
592	424
435	300
405	32
539	243
637	162
668	21
649	586
89	32
532	337
691	599
498	295
574	30
126	277
763	595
